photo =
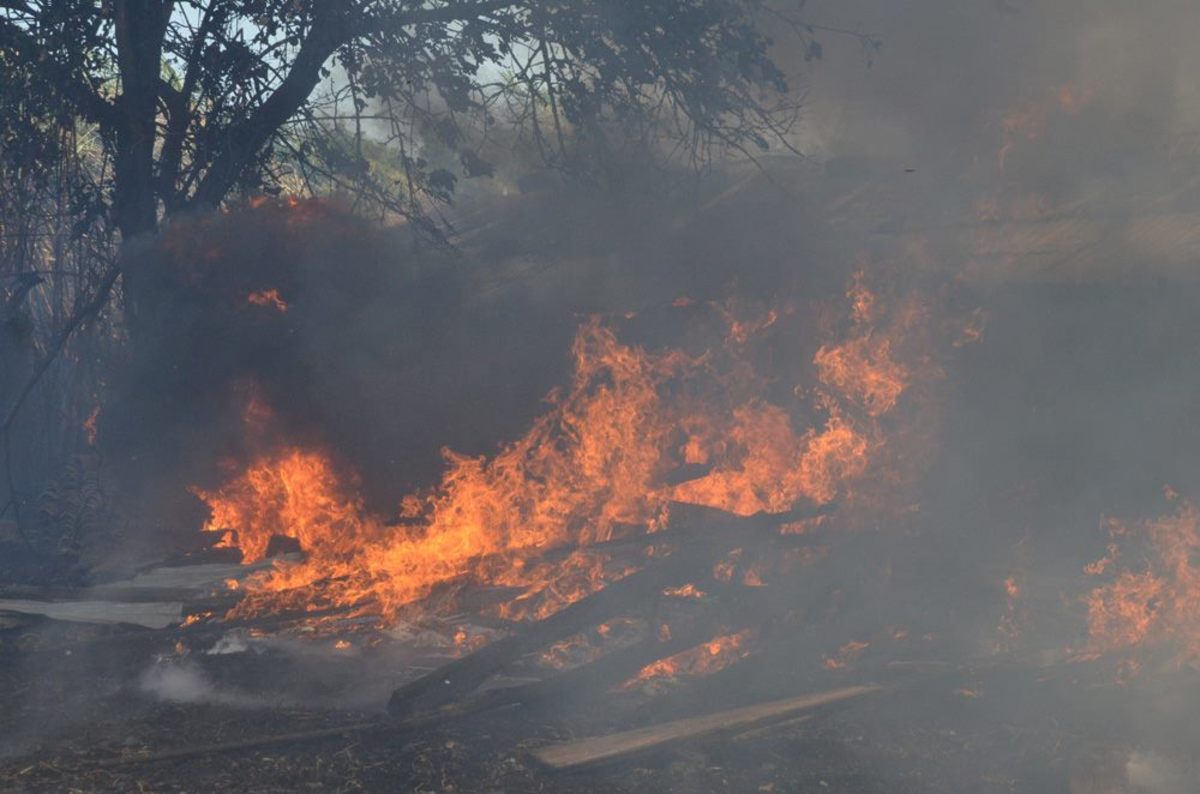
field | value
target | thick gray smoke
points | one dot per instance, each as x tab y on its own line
949	73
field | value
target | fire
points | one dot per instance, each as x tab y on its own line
90	426
864	369
293	492
1153	606
195	618
742	330
588	646
704	659
773	467
1029	120
595	464
551	585
846	655
269	298
1008	628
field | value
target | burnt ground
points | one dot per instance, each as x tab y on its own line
74	700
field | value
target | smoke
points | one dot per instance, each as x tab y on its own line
948	72
184	683
1007	156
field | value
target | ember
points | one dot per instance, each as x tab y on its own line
704	659
269	298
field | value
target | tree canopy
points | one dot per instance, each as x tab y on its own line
195	100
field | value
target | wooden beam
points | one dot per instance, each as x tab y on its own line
616	745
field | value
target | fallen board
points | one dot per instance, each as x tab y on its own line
203	577
601	748
152	615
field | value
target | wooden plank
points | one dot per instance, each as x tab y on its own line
151	615
602	748
761	731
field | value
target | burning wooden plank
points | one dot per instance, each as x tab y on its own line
594	680
615	745
716	533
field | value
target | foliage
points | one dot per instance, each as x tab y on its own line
198	99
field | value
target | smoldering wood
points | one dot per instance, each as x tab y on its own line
624	743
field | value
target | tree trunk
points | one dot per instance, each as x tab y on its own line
139	25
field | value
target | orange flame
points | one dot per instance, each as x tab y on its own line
704	659
90	426
293	492
269	298
1008	629
846	655
864	369
1157	606
686	591
595	462
1029	120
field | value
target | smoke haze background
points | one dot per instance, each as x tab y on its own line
1078	401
